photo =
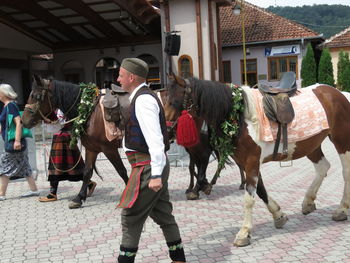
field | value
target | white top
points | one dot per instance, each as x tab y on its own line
147	114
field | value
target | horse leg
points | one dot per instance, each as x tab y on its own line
322	166
278	216
115	159
241	171
243	236
342	211
90	160
202	182
192	175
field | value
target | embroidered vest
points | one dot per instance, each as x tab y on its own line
134	138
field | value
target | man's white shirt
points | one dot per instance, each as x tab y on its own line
147	114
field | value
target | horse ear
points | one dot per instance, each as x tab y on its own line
180	81
36	79
177	79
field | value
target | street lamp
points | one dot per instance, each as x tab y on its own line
239	10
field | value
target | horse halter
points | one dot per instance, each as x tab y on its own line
34	108
187	104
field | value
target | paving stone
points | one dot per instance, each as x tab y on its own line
50	232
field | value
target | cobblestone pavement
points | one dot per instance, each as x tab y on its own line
31	231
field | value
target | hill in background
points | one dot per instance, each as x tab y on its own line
326	19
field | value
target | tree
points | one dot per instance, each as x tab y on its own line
341	67
346	74
325	68
308	68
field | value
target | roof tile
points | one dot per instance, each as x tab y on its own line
260	26
341	39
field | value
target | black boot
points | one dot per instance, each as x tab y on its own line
127	255
176	251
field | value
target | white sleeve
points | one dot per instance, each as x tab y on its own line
147	114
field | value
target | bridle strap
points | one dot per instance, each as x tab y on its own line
187	94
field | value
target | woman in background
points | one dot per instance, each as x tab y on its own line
13	164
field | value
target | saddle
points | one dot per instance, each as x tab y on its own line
278	108
111	103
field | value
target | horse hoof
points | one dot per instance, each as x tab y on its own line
207	189
74	205
188	191
280	222
192	196
339	216
309	208
242	242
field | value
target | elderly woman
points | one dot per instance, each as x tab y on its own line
13	163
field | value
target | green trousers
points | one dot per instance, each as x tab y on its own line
153	204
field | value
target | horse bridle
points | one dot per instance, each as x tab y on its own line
187	104
34	108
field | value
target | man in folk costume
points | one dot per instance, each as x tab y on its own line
145	144
64	163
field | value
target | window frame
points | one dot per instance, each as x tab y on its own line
249	72
181	58
277	59
228	63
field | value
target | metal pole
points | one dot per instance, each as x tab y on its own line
243	42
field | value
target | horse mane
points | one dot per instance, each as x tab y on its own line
214	100
66	97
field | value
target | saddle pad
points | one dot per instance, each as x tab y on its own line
111	130
310	117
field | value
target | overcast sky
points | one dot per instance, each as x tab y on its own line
267	3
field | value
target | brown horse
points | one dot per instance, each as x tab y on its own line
199	154
214	103
47	96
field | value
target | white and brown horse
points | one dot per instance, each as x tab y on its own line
214	102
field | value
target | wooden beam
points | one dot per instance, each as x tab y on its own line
143	13
219	46
96	20
106	43
41	13
211	40
9	21
199	38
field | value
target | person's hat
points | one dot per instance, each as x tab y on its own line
135	66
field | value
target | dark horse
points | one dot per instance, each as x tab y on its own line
214	102
47	96
199	154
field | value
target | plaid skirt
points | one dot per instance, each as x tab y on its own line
15	164
65	163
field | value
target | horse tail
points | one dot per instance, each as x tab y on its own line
96	171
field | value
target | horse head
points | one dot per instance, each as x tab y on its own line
39	104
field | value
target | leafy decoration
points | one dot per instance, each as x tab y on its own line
230	128
86	106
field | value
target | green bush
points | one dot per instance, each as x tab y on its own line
325	68
308	68
346	77
343	60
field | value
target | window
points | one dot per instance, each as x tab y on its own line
252	72
185	66
227	71
279	65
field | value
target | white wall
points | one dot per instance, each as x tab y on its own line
89	58
235	55
183	19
